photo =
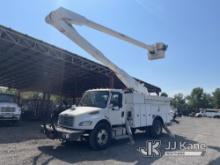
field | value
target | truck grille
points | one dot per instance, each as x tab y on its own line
7	109
65	121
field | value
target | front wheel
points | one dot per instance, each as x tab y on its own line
100	137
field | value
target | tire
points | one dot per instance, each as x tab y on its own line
100	137
156	129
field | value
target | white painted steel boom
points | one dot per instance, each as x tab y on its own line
63	19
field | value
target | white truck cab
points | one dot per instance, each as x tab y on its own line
102	114
96	105
9	109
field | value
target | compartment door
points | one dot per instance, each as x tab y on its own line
143	115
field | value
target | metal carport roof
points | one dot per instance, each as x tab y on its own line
30	64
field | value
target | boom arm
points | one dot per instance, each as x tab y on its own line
62	19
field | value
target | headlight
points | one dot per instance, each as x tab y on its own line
17	115
85	123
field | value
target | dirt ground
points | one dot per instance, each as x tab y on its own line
24	144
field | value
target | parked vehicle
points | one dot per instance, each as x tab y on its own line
200	114
215	113
212	113
192	114
9	109
103	114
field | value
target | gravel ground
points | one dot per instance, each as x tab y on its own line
24	144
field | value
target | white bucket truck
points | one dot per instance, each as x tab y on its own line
103	114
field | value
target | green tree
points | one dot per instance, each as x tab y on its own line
164	94
216	98
207	101
198	99
179	103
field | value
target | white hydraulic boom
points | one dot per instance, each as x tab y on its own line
63	19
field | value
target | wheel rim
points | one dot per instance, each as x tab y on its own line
102	137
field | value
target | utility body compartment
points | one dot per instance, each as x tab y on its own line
144	109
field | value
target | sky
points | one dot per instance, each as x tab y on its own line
191	29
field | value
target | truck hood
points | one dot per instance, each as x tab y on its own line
80	111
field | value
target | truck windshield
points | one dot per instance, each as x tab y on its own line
7	98
95	99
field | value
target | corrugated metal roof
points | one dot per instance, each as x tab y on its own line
31	64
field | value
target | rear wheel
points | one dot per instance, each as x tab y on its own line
100	137
157	128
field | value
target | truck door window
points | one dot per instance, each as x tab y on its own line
116	99
95	99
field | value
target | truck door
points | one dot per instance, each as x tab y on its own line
116	111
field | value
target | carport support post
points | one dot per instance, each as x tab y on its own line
47	105
75	91
42	114
111	81
18	93
158	93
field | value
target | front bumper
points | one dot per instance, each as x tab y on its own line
55	132
6	118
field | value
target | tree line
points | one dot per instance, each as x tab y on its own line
198	99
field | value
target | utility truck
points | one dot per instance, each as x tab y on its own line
105	114
9	109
